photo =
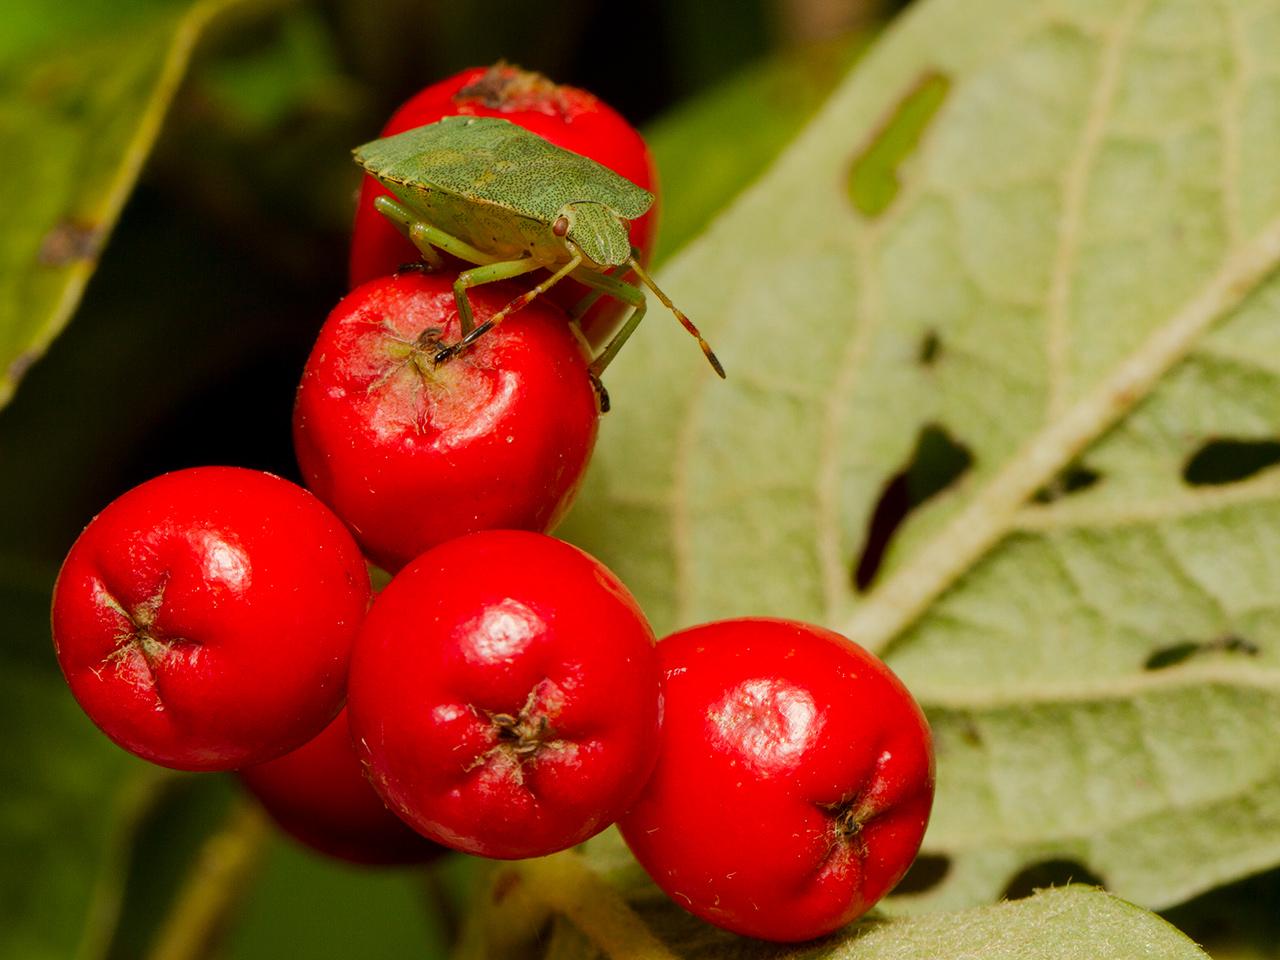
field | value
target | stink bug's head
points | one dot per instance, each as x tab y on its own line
599	232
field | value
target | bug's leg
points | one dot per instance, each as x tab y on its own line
685	322
586	303
601	392
611	348
634	296
476	276
404	219
620	291
426	237
515	304
424	233
394	211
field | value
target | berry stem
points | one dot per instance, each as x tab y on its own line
504	917
563	883
514	905
214	887
566	884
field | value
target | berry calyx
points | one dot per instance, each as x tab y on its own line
204	619
823	757
411	444
504	695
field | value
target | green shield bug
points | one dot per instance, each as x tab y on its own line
493	194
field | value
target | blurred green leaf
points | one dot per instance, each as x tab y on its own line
1067	923
258	146
80	879
267	85
71	798
305	905
710	38
32	28
216	387
181	814
1071	284
83	90
560	908
710	148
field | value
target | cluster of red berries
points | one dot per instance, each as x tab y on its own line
504	694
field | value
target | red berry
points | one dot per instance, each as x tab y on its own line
568	117
319	795
504	695
794	781
411	452
204	620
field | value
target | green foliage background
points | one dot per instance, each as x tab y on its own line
1000	207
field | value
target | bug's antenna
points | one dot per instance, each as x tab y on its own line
685	322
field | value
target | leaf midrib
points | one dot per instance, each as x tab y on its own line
992	513
997	509
1074	192
1068	514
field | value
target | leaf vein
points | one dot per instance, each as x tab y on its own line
1074	190
1064	514
990	515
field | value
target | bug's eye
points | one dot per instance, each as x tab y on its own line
561	226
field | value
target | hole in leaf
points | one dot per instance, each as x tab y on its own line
927	872
937	463
930	347
1074	478
1169	656
970	733
891	509
1229	461
1216	921
1174	654
873	176
1049	873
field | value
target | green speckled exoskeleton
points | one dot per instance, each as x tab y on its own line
491	193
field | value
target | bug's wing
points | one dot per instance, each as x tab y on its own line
582	179
490	160
431	156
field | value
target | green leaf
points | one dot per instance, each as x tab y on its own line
579	907
1069	298
1067	923
219	388
310	906
709	149
265	87
83	91
97	844
183	812
71	798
